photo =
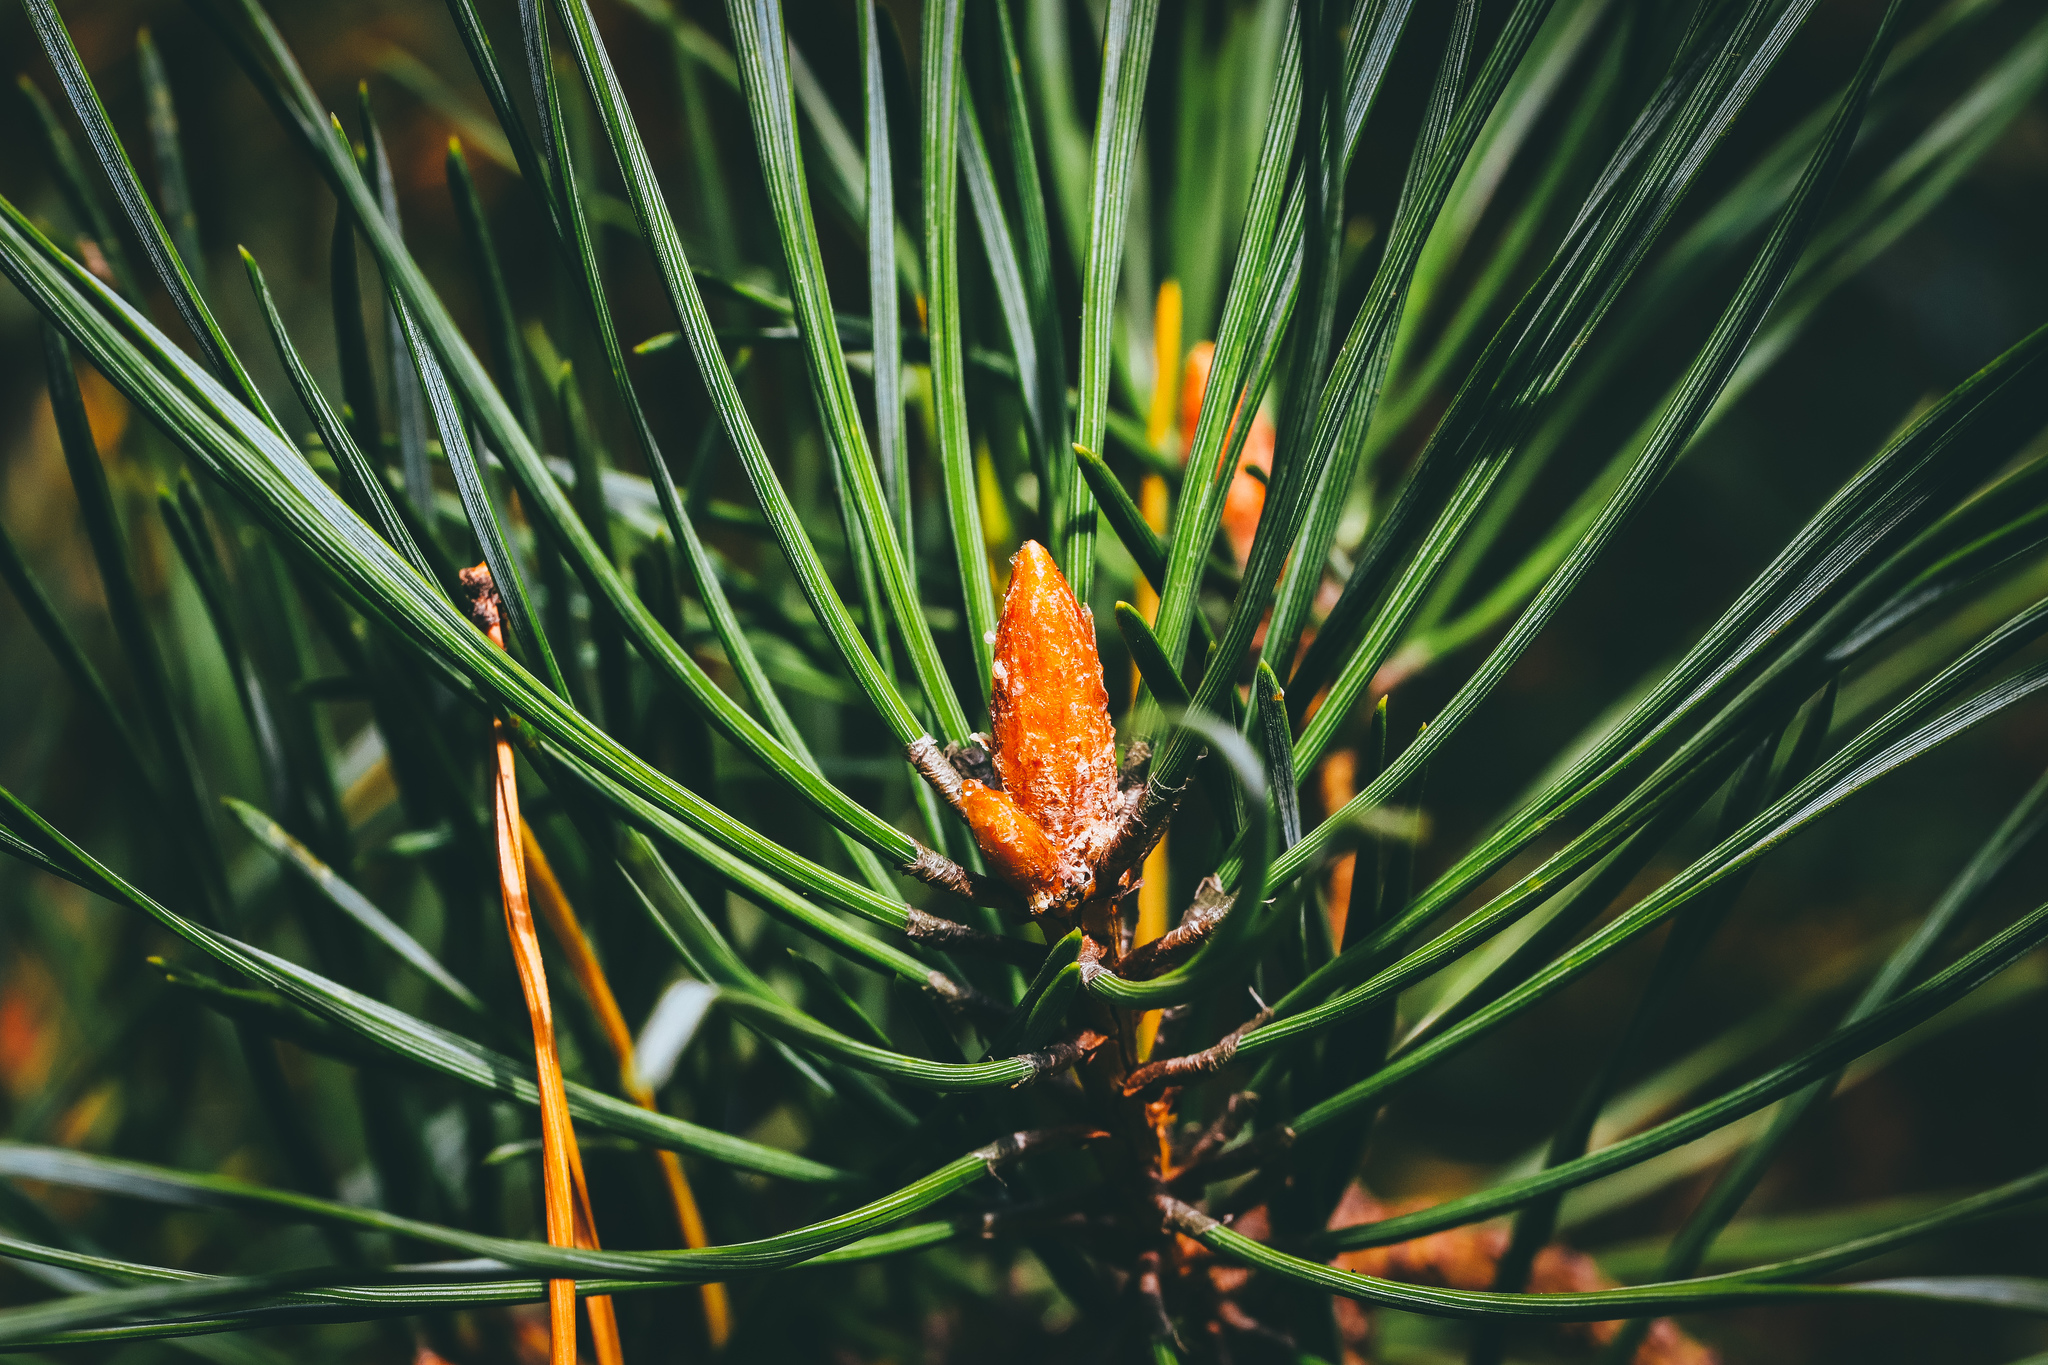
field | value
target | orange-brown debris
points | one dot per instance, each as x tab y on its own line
1246	497
1194	382
1049	712
1337	780
1467	1257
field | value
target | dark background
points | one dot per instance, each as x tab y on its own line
1965	1109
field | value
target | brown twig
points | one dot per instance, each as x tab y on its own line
1179	1217
1174	1022
936	869
1137	761
1231	1161
938	932
1207	1062
932	765
1237	1111
1151	1294
1010	1146
1059	1055
1143	824
1210	905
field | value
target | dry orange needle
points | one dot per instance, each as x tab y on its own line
566	1201
559	914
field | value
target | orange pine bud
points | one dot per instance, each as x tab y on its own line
1049	712
1016	847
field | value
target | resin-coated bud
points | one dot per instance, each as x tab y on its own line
1016	848
1054	746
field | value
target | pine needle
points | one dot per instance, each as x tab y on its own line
559	914
569	1221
